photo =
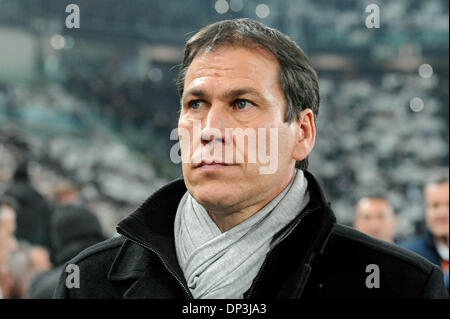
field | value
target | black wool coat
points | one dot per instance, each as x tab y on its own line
317	259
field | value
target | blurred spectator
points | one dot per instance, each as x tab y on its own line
73	229
8	242
33	211
40	259
24	263
66	194
434	243
375	217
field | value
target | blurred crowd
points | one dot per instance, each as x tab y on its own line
38	236
381	145
64	184
162	19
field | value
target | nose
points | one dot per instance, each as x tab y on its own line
215	123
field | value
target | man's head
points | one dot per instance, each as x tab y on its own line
25	263
436	199
296	76
7	229
242	75
375	217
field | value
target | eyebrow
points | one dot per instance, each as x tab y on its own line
232	93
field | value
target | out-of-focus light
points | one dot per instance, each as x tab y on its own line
425	71
262	10
416	104
221	6
57	41
155	75
69	42
236	5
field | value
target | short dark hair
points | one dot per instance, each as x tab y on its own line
298	79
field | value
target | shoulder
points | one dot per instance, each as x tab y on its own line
91	268
99	251
351	256
43	284
367	245
415	244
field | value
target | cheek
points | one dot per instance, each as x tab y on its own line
3	239
286	142
433	219
432	215
184	122
188	133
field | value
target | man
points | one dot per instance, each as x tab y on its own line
8	243
433	245
33	211
73	229
25	262
230	228
375	217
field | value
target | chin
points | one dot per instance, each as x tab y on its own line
211	198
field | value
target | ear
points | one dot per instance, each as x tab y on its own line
306	135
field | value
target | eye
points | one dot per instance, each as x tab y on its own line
195	104
243	104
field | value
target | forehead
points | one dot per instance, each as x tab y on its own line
373	206
7	214
247	64
437	191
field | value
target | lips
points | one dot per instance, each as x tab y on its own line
210	164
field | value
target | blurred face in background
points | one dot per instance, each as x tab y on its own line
7	240
237	88
436	197
375	217
40	259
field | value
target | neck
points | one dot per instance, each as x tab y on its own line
226	220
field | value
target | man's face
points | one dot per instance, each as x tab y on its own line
7	229
234	88
436	197
376	218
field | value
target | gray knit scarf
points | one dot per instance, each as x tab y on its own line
223	265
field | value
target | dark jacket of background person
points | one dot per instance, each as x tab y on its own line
318	258
73	229
33	213
426	247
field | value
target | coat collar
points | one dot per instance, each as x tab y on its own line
151	226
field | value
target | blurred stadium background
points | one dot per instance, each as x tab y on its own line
92	108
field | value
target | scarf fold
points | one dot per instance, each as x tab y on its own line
223	265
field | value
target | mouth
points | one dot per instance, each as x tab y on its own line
211	164
441	221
